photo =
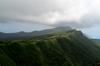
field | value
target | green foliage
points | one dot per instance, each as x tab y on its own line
5	60
58	49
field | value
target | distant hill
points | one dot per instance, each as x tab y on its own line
97	41
27	35
69	48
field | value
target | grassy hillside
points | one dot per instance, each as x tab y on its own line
58	49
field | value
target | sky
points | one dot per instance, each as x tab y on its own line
30	15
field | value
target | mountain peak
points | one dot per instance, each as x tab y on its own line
24	35
64	27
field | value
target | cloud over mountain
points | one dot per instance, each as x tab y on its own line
75	13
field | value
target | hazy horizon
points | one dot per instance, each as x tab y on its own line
21	15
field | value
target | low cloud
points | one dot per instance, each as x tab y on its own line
74	13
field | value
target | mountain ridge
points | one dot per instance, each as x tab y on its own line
70	48
26	35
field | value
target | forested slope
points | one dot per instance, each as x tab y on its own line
70	48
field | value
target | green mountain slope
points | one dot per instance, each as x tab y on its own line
28	35
5	60
69	48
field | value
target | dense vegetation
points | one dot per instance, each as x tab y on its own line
59	49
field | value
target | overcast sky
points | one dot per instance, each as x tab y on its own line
29	15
